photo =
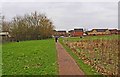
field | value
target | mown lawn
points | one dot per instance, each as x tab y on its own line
30	58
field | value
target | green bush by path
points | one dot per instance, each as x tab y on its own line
36	57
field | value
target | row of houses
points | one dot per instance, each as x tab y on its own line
102	32
81	32
5	36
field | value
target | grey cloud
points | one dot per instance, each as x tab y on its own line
67	15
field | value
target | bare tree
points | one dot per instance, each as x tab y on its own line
5	25
31	27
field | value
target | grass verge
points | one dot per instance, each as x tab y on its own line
86	68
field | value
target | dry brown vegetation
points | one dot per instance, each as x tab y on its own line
99	54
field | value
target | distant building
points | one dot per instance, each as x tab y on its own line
118	32
60	33
71	32
76	32
98	32
4	36
113	31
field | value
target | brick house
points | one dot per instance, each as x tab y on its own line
76	32
113	31
118	32
60	33
71	32
98	32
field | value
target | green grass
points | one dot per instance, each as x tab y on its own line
0	59
104	37
36	57
86	68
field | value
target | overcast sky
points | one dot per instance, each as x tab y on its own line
68	15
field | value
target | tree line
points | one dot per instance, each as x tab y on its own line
32	26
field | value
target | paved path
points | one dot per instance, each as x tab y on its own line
67	65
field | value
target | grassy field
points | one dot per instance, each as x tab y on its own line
105	37
86	68
30	58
